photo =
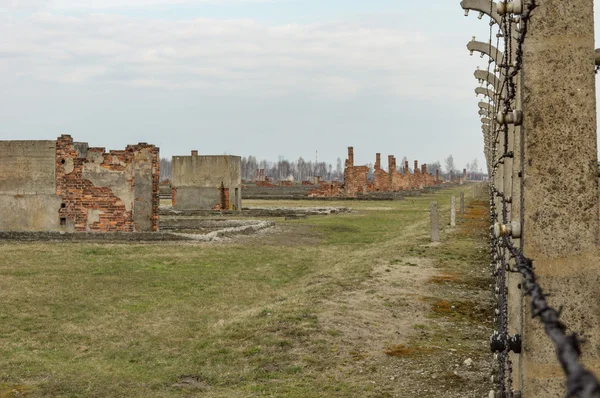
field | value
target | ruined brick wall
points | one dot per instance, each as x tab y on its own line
385	181
116	191
356	180
327	189
224	197
355	177
381	179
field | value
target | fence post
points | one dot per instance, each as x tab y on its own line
435	222
453	211
560	186
462	203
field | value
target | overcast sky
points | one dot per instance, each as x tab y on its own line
260	77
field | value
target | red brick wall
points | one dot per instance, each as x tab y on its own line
224	192
381	181
356	180
327	189
355	177
80	195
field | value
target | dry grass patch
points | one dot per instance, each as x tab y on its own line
306	311
401	350
443	278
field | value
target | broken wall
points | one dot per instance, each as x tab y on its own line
355	177
115	191
65	186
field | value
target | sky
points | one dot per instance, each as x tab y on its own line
267	78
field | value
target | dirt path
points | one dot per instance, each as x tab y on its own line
419	324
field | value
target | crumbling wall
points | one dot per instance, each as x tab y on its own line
65	186
116	191
355	177
327	189
394	181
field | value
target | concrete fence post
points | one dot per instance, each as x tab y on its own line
435	222
453	211
462	203
474	191
560	220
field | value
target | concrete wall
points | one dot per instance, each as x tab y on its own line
196	182
27	167
28	200
65	186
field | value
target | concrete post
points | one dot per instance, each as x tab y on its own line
474	191
462	203
435	222
560	186
453	211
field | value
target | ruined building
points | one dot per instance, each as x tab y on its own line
207	182
68	186
356	182
356	179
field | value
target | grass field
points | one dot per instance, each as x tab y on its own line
353	305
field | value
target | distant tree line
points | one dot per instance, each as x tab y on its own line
301	169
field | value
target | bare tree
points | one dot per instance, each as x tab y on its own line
449	163
474	166
165	169
432	167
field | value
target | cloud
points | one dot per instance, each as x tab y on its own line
225	56
108	4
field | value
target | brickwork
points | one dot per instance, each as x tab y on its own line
327	189
394	181
94	208
355	177
224	195
356	181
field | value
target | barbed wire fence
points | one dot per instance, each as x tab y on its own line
511	20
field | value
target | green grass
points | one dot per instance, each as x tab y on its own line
178	320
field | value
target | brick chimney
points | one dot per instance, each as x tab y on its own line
194	153
350	160
424	168
392	164
377	161
406	167
416	166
